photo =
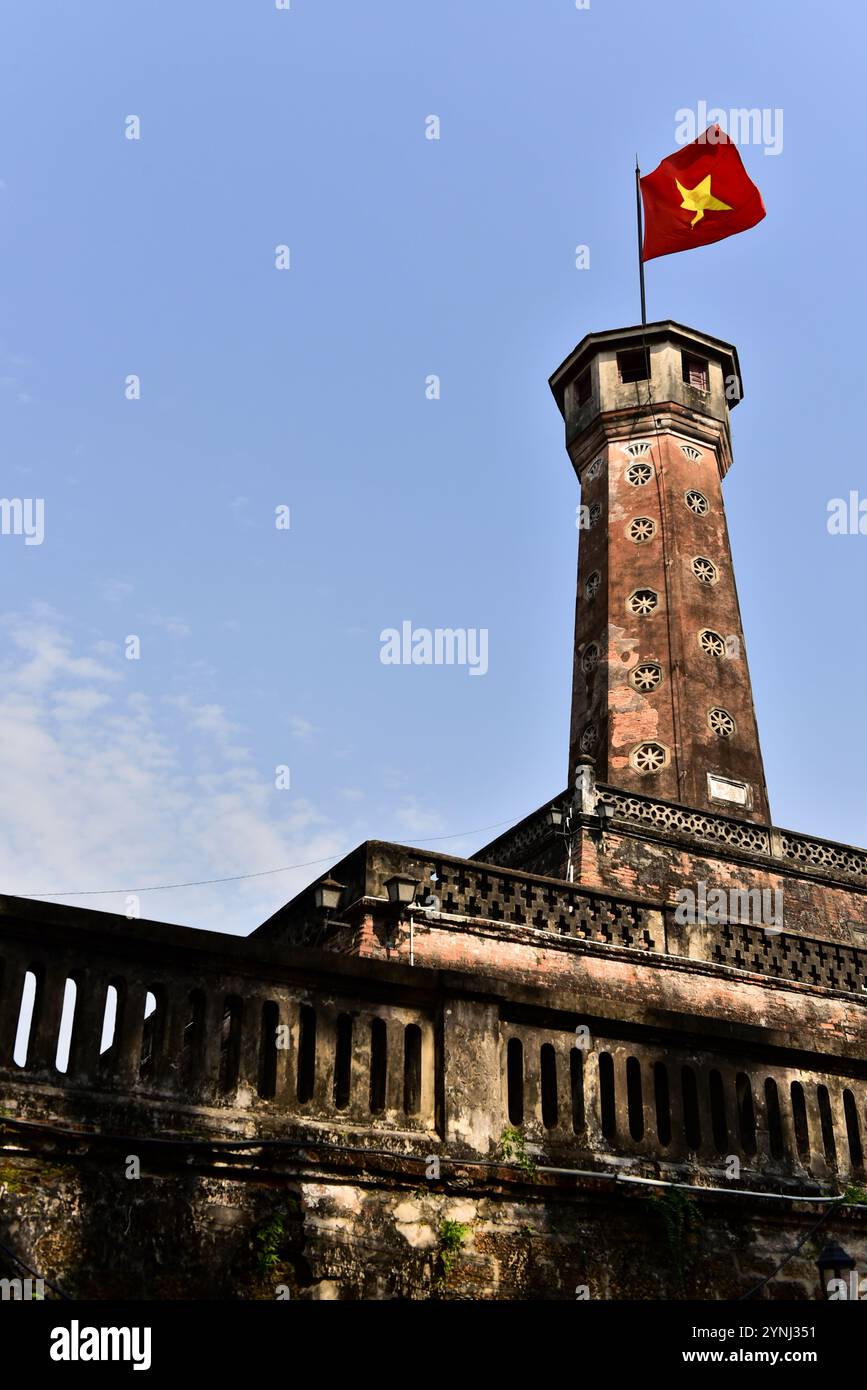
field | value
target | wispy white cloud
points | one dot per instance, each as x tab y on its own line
175	627
415	819
300	727
116	590
105	786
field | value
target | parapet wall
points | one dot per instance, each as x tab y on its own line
513	1055
604	1052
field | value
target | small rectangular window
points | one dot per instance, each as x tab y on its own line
633	365
695	372
583	388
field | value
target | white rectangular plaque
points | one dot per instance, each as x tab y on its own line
724	789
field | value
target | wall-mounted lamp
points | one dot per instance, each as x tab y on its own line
559	820
832	1264
401	890
327	894
604	816
605	810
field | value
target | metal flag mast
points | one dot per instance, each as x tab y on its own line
640	261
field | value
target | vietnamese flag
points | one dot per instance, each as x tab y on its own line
698	195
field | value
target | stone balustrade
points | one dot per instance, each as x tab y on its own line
111	1022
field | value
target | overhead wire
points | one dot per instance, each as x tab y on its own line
261	873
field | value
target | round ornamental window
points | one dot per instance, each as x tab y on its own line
590	658
649	757
638	474
643	601
591	588
646	676
704	570
588	739
711	642
697	502
721	722
641	529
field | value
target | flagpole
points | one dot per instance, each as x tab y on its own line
640	261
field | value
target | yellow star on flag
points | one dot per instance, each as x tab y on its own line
700	200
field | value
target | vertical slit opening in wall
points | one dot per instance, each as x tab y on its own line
378	1064
548	1085
775	1119
829	1143
853	1131
718	1125
799	1121
152	1032
746	1112
607	1110
83	1020
662	1103
270	1020
28	1013
515	1080
193	1045
112	1020
342	1061
67	1026
576	1088
634	1098
411	1069
689	1096
306	1052
230	1044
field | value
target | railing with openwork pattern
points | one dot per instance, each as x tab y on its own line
532	838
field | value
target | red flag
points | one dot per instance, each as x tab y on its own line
698	195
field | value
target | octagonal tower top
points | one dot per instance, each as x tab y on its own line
660	364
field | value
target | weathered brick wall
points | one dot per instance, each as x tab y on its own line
177	1234
630	863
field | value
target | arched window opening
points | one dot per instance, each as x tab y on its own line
662	1103
634	1098
746	1113
515	1080
378	1064
689	1097
411	1069
306	1053
342	1061
719	1128
607	1109
775	1119
548	1080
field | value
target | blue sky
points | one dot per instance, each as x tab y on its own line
306	388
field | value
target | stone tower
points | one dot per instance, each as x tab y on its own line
542	1018
661	695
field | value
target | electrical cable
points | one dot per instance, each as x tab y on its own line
830	1203
22	1264
223	1145
812	1231
262	873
